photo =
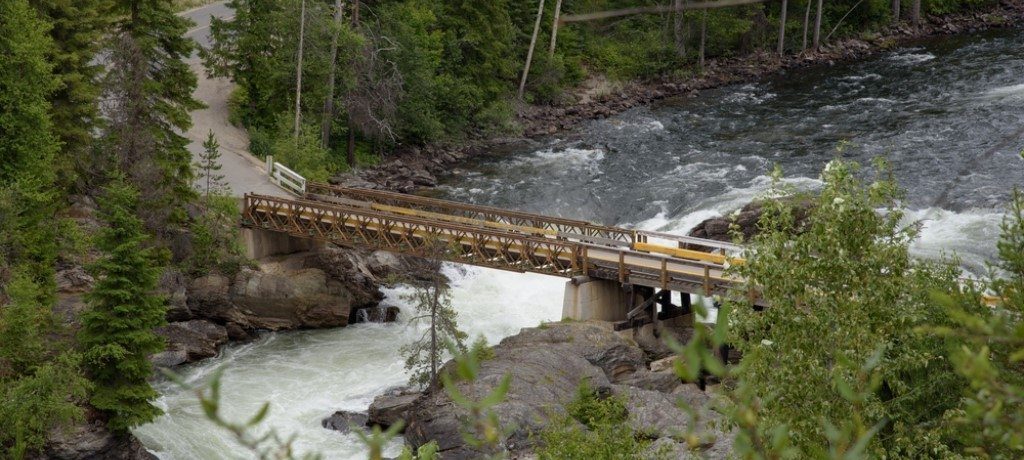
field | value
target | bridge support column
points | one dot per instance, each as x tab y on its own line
264	243
590	298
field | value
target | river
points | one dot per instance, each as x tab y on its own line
946	113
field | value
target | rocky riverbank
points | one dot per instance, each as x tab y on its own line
417	167
548	364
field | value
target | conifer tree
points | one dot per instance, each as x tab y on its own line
79	27
117	330
149	92
209	166
27	145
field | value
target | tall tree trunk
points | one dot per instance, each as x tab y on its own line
915	13
554	28
325	128
817	27
782	27
807	21
895	11
529	54
703	37
350	148
298	72
679	18
433	336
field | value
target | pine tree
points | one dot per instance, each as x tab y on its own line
27	145
432	297
79	27
117	331
149	89
208	166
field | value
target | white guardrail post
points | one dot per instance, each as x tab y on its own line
285	178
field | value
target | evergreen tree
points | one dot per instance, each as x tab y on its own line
39	382
79	27
209	166
432	297
27	146
149	92
117	330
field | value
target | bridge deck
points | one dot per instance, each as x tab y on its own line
487	237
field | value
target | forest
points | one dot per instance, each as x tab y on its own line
95	96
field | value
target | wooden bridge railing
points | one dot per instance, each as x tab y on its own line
432	208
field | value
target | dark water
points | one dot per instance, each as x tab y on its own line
947	113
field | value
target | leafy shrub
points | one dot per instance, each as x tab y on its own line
594	428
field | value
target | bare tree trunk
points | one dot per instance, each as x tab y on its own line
298	71
703	37
355	11
433	336
529	54
915	13
350	149
325	129
895	11
782	27
680	28
554	28
817	27
807	21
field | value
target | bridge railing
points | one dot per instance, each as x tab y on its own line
461	212
285	177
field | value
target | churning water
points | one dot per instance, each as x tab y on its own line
945	113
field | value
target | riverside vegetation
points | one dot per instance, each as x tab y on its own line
95	93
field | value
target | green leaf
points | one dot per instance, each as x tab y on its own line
260	415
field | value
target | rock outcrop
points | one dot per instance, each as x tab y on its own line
392	406
189	341
547	365
746	220
92	441
343	421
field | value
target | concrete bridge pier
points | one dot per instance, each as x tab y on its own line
264	243
591	298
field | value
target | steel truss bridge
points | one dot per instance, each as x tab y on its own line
497	238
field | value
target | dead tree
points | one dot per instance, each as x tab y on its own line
679	30
703	37
807	21
529	54
817	26
372	103
325	129
554	28
895	11
915	13
782	27
298	72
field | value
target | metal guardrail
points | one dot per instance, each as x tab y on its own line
285	178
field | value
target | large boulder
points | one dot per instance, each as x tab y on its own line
343	421
92	441
391	407
189	341
746	220
290	299
547	365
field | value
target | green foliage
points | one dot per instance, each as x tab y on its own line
992	359
215	238
117	333
480	350
39	383
208	166
149	95
846	279
78	29
594	428
27	145
305	156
